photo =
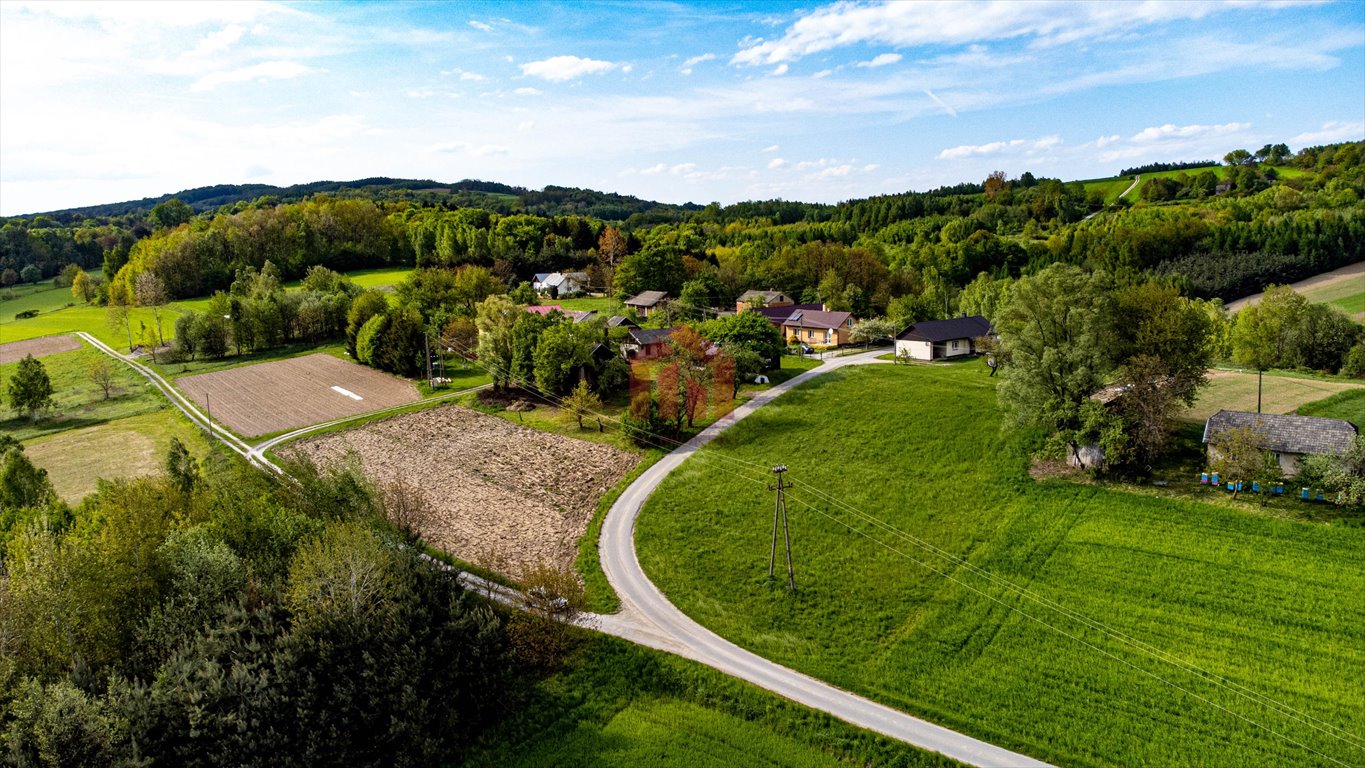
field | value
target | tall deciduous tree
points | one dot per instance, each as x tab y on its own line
1055	332
495	318
150	292
1264	331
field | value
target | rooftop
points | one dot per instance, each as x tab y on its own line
646	299
946	330
1287	433
817	318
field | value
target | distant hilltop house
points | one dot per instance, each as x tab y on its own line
647	301
753	299
939	339
560	283
1288	437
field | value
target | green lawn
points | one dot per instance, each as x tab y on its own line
79	401
1349	405
382	277
1346	294
76	459
1111	188
40	296
92	320
1267	603
602	305
617	704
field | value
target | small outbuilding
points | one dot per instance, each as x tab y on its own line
646	302
755	299
1288	437
939	339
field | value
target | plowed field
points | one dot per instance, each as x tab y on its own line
285	394
47	345
503	496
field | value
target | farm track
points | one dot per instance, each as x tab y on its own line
647	617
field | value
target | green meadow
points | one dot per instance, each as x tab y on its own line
916	525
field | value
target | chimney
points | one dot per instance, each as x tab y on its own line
964	314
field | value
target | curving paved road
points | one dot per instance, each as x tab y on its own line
648	618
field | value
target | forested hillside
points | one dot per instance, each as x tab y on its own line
1264	217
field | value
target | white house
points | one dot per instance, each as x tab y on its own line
562	283
938	339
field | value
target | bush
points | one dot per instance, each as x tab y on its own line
1355	362
26	314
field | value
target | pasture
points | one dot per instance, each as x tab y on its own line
1348	405
1280	393
80	402
933	574
76	459
1343	288
270	397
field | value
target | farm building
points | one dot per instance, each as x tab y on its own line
1288	437
646	302
937	339
755	299
560	283
619	321
817	328
647	343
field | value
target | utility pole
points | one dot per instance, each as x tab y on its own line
426	350
780	511
208	406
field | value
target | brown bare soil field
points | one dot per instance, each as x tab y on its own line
41	347
502	496
285	394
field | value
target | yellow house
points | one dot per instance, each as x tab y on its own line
817	328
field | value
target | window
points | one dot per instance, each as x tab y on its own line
826	335
810	334
955	346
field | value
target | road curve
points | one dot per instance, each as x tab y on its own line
648	618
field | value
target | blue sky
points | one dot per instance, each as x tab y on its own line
678	102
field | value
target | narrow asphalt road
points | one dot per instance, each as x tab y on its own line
648	618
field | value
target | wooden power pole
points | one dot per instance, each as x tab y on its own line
780	511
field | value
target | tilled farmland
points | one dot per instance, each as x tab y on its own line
41	347
503	496
285	394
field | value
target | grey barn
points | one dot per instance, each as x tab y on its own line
1288	437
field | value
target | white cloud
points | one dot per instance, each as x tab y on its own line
879	61
266	70
695	60
654	170
482	27
772	148
558	69
1332	131
528	92
1105	141
682	168
780	69
1170	131
998	147
776	163
910	24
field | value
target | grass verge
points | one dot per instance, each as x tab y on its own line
616	704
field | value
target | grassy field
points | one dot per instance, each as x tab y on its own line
129	447
601	305
1346	295
1266	603
1236	391
79	401
615	704
1111	188
1349	405
1114	187
41	296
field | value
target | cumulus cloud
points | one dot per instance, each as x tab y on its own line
558	69
694	61
482	27
1172	131
1331	131
654	170
998	147
266	70
776	163
879	61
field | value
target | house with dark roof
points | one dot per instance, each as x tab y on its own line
757	299
938	339
817	327
1288	437
646	343
617	321
646	302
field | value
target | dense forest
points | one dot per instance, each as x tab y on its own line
1216	235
